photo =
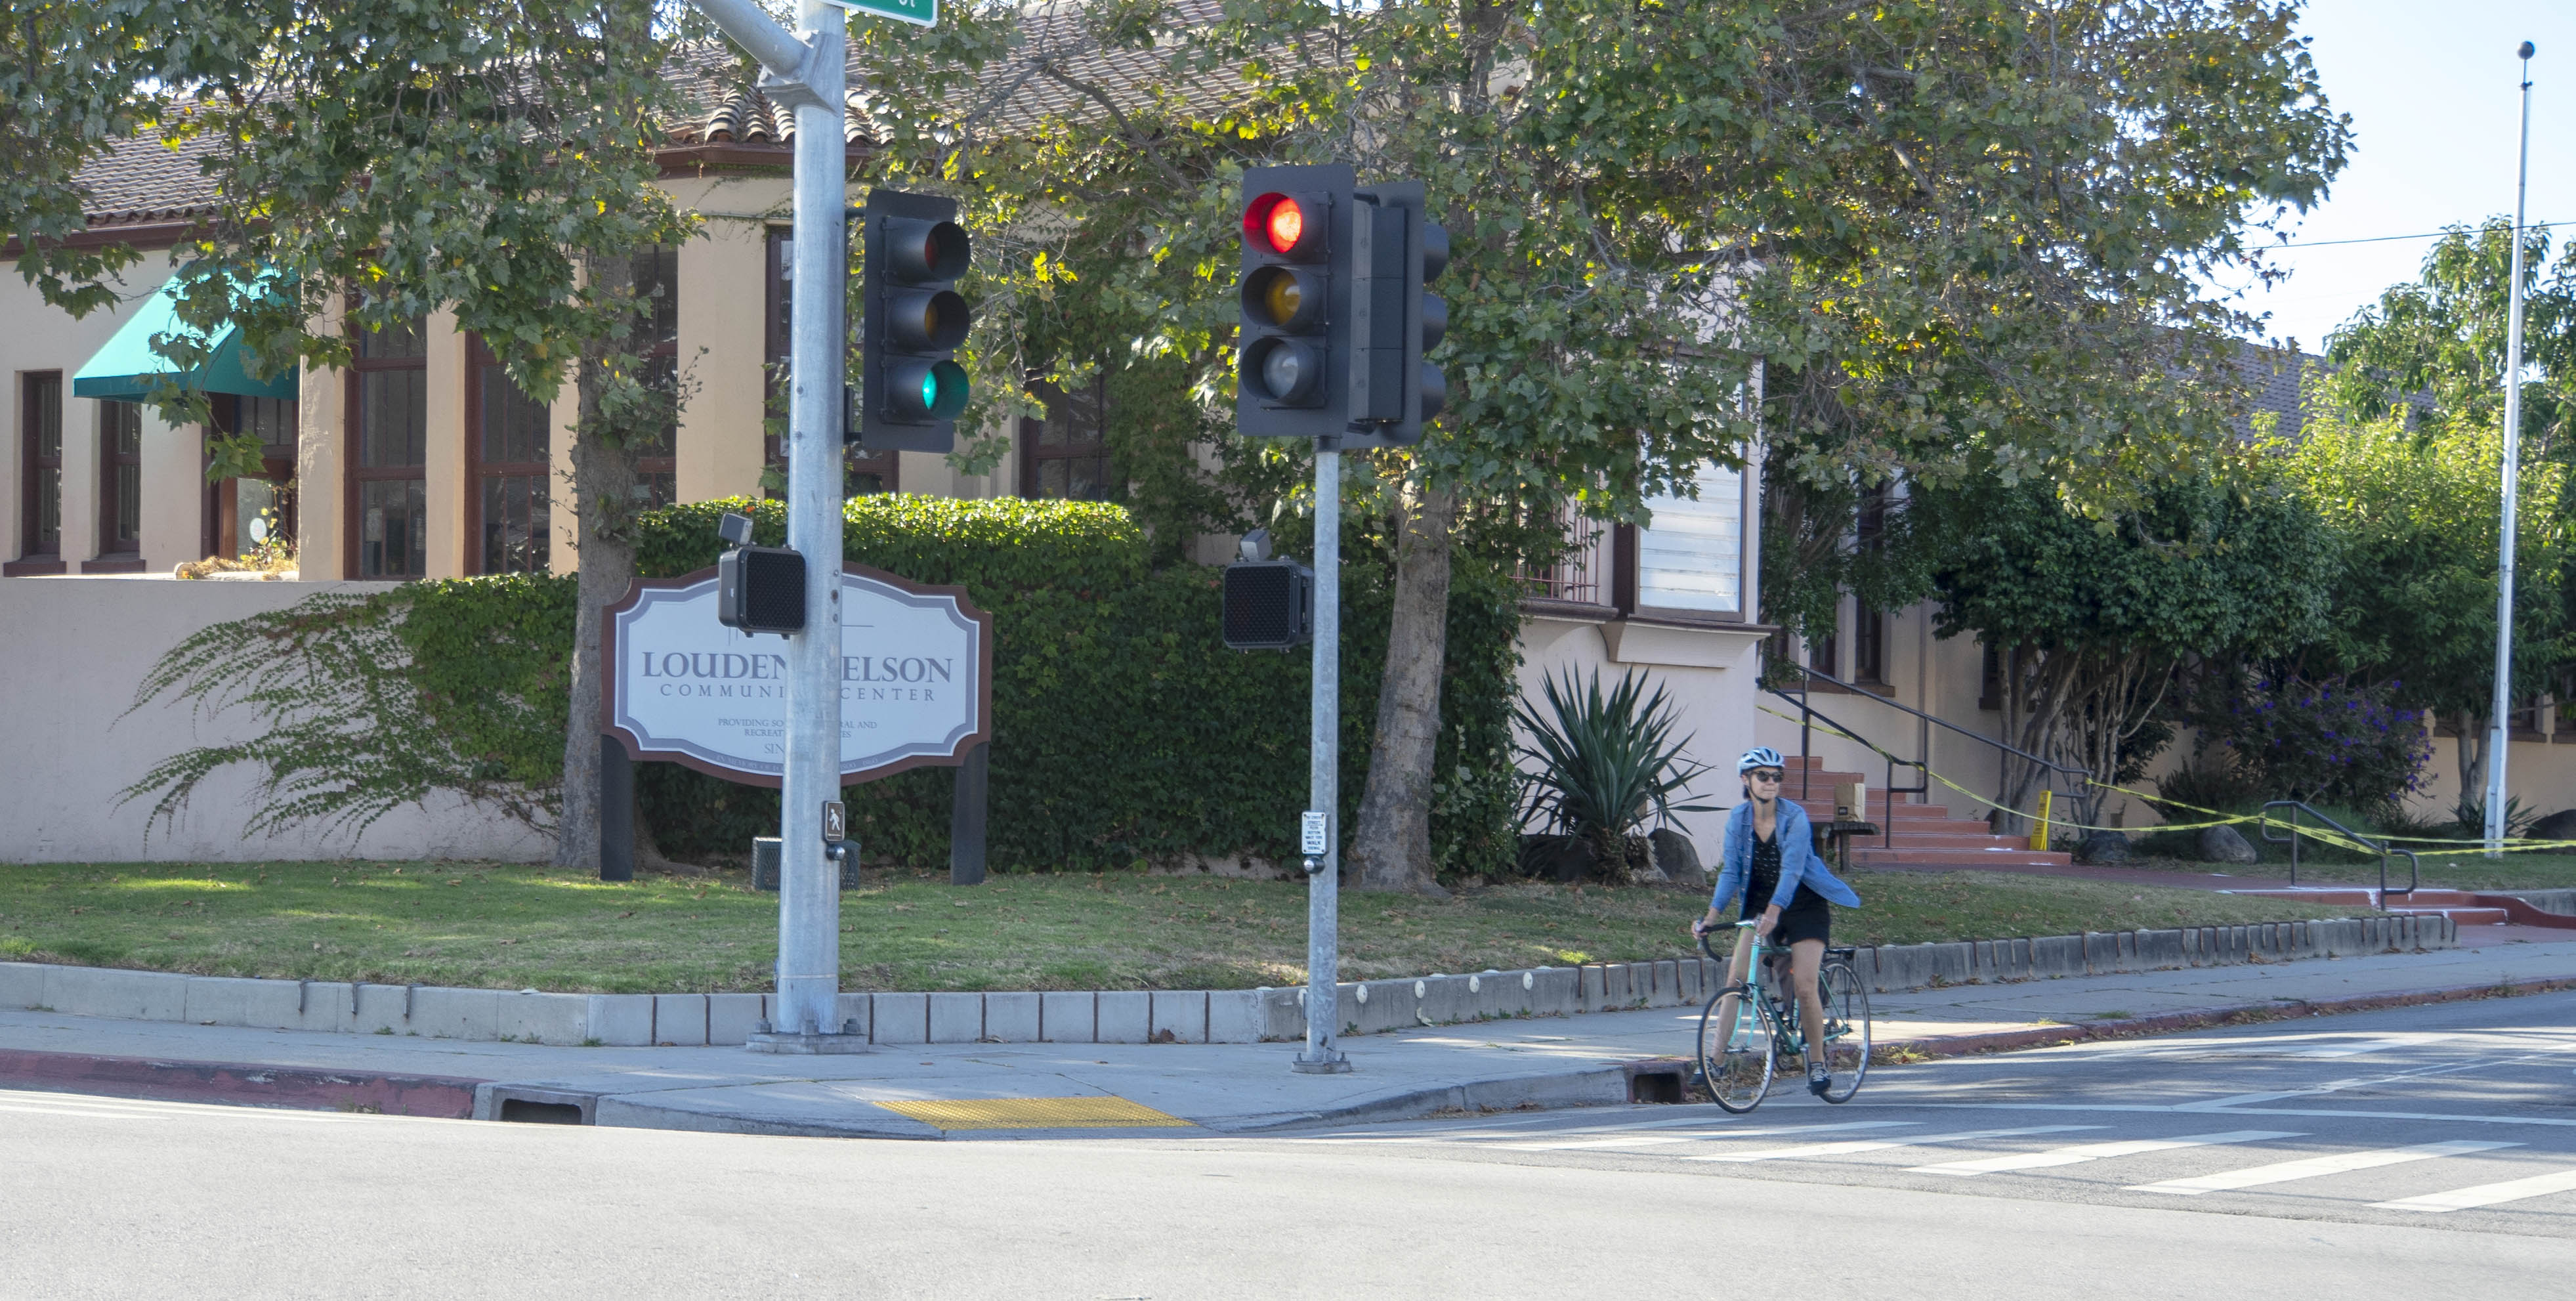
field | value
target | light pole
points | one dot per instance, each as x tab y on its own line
1324	780
2500	713
809	73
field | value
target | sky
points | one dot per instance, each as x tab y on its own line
2433	90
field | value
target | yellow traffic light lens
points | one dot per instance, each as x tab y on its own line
1282	298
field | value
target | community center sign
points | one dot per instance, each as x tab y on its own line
916	679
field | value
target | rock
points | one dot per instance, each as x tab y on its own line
2222	844
1679	859
2103	847
2557	826
1641	866
1561	859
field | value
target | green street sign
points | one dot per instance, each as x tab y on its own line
920	13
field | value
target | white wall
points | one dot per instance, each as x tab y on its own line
1708	674
72	652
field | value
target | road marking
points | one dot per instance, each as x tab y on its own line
52	1110
1647	1140
2511	1190
102	1105
1090	1111
1880	1144
2141	1108
2083	1152
2311	1167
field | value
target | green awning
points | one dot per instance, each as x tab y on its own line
127	369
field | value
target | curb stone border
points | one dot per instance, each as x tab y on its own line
1156	1016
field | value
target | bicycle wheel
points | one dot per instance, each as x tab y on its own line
1846	1028
1736	1059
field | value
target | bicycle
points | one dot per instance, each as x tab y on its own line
1737	1062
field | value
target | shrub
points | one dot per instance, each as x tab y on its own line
1605	762
2330	742
1124	731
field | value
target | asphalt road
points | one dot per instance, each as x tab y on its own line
2424	1148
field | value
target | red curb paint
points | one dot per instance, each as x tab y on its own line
2050	1036
301	1088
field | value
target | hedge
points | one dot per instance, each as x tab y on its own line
1124	731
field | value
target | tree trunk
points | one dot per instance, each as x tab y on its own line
1391	846
2471	736
603	490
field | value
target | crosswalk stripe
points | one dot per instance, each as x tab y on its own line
2511	1190
1880	1144
2310	1167
1647	1140
54	1110
66	1104
2084	1152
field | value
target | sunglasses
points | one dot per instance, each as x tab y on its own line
1765	774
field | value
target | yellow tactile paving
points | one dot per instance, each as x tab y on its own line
1095	1112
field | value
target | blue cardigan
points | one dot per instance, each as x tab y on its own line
1798	860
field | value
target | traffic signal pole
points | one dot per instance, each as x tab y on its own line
1324	779
807	71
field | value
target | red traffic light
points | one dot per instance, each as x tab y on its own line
1283	224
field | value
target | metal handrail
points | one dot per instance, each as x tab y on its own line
1937	721
2414	865
1922	765
1807	769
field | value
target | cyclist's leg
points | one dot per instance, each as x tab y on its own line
1806	958
1736	966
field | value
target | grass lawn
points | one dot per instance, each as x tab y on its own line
2462	869
508	926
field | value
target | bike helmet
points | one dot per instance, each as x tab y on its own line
1760	756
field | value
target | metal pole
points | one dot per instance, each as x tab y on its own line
1323	781
808	72
2499	727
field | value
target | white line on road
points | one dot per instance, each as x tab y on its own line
2083	1152
2311	1167
1647	1140
2140	1108
49	1109
1881	1144
2511	1190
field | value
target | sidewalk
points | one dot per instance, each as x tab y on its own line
1023	1089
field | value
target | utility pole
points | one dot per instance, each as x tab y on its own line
2500	714
807	71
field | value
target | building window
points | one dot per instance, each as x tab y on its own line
250	512
862	471
388	487
1690	560
1990	677
1869	646
1825	650
1066	455
657	285
120	479
512	443
40	433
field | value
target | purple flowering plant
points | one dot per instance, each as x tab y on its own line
2333	742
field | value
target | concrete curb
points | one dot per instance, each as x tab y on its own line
2052	1036
1155	1016
441	1096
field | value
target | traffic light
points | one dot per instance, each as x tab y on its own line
758	589
1290	381
911	388
1397	250
1335	317
1269	604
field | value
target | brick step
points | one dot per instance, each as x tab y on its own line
1977	837
1879	810
1964	859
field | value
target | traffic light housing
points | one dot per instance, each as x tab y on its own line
911	389
1269	605
1335	319
1290	379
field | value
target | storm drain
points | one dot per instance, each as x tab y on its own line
525	1106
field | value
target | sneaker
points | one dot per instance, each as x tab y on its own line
1819	1081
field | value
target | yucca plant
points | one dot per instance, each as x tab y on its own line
1605	762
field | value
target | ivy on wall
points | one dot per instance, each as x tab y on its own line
1124	732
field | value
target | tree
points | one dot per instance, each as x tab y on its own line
2439	342
2096	620
374	163
1950	229
2417	514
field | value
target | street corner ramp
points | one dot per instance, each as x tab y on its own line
1096	1111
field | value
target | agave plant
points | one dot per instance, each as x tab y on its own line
1605	762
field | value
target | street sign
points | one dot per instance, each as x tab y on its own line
1313	840
920	13
916	677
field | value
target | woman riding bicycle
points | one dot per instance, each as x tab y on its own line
1770	855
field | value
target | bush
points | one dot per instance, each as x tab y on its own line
1124	731
2328	743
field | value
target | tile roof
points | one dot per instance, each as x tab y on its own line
142	180
2272	379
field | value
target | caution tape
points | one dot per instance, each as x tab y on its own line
2323	835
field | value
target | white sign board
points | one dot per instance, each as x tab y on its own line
916	679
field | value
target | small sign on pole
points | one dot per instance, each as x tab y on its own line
1313	839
